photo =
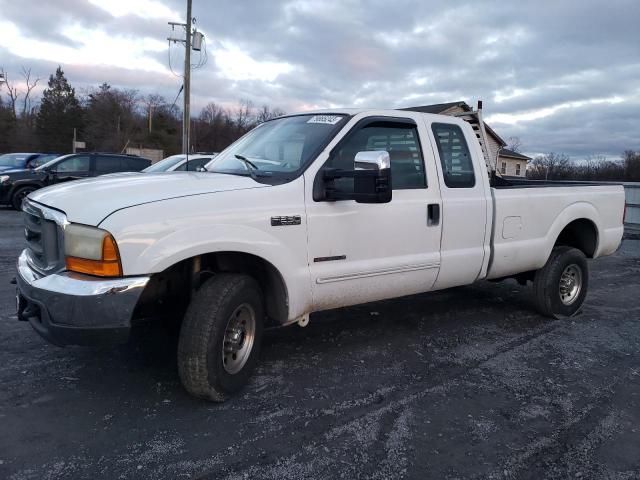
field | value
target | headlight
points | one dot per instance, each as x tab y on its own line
91	250
4	178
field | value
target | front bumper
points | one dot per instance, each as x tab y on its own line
73	309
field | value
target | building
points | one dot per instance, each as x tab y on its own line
510	163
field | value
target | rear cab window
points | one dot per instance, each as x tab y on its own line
455	157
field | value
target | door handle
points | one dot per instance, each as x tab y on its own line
433	215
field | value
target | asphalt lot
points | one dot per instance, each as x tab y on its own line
466	383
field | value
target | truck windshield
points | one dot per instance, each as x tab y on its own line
283	146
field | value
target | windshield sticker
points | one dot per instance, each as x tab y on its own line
325	119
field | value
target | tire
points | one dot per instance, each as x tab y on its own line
207	364
560	287
19	195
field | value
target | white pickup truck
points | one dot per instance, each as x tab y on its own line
305	213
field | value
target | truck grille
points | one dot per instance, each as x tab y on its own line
44	240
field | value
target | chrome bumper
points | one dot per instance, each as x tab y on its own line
74	309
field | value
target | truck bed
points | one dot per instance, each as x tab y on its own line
529	216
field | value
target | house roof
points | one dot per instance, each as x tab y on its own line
442	107
505	152
438	107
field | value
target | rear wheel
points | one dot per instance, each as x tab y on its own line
560	287
19	195
220	336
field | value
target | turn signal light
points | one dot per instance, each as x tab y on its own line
108	266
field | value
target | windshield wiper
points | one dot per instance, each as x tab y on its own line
247	161
252	167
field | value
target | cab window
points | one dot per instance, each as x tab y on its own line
399	139
457	165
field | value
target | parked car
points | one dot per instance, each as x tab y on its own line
179	163
22	161
305	213
17	184
43	158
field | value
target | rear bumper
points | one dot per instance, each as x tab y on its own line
73	309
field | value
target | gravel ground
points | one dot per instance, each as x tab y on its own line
466	383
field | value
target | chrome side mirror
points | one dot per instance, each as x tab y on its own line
372	160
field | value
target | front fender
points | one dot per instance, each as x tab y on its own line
152	237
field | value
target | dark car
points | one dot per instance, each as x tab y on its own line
17	184
22	161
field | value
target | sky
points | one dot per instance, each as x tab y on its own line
562	75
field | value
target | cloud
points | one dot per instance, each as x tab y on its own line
561	75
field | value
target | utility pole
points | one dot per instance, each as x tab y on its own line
186	86
186	114
150	115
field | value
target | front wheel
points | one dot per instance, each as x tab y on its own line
19	195
220	336
560	287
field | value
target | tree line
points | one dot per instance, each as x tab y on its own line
110	119
558	166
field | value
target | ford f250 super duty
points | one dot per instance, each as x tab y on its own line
304	213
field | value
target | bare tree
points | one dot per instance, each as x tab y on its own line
242	115
552	166
14	94
631	160
26	102
514	144
212	113
152	102
266	113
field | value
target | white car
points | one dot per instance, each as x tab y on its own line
180	163
305	213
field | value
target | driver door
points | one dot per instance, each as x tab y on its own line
361	252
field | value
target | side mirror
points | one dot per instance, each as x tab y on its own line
201	169
371	179
372	160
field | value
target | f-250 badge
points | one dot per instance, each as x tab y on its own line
285	221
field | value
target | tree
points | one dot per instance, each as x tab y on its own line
514	144
112	119
266	113
552	166
59	114
7	127
13	93
26	101
631	160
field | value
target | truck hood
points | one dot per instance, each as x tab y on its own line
91	201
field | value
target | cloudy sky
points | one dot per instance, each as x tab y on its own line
562	75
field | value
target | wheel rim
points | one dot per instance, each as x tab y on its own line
570	284
238	338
